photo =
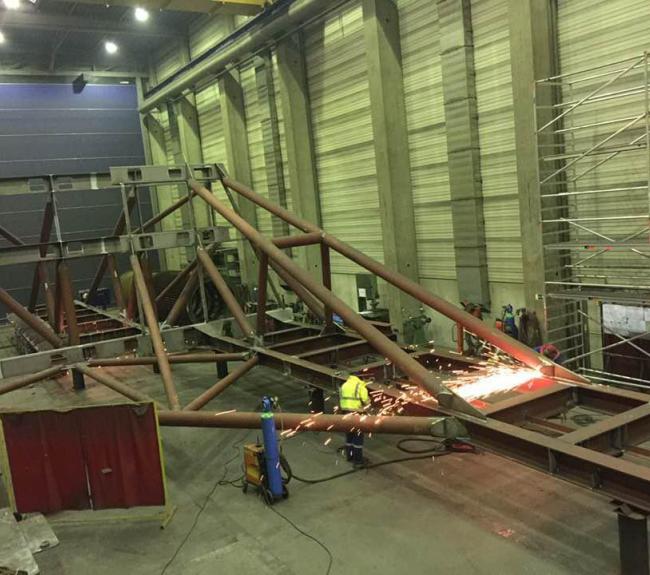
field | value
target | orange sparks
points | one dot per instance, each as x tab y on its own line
497	380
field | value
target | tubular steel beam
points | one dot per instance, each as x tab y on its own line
29	379
154	334
504	342
205	357
379	341
67	303
162	215
303	422
262	294
36	323
11	238
222	385
40	273
117	284
182	275
118	230
301	293
114	384
225	293
184	297
285	242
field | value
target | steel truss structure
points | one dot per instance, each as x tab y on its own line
558	422
594	178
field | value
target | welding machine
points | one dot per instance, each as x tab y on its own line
263	464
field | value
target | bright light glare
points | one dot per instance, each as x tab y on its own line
2	38
497	380
12	4
141	14
110	47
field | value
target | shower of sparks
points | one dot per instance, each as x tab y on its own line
495	380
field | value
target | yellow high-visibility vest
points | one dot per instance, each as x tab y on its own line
353	395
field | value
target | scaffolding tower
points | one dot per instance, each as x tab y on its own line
594	179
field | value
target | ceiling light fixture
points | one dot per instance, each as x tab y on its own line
110	47
141	14
12	4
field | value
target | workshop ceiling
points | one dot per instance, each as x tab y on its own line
56	35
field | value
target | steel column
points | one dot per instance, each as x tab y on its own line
261	294
66	293
225	292
184	297
118	230
154	334
221	385
36	323
114	384
29	379
303	422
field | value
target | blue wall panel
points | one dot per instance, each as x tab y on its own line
48	129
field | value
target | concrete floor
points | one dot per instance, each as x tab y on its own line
455	514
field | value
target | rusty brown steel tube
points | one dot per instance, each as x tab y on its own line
262	294
162	215
225	292
183	298
31	378
518	350
301	421
154	334
117	284
67	301
218	388
11	238
118	229
301	293
310	239
413	369
173	359
36	323
40	273
114	384
180	277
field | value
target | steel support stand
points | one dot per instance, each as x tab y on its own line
78	381
633	541
222	369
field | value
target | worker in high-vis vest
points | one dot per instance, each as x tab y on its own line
354	398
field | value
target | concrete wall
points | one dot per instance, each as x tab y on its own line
486	81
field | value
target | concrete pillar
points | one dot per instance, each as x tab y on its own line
384	58
594	333
463	149
271	139
532	50
303	180
234	127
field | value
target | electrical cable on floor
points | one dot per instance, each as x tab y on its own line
305	534
221	481
439	450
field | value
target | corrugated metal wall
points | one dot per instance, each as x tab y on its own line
425	116
497	140
207	32
343	135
